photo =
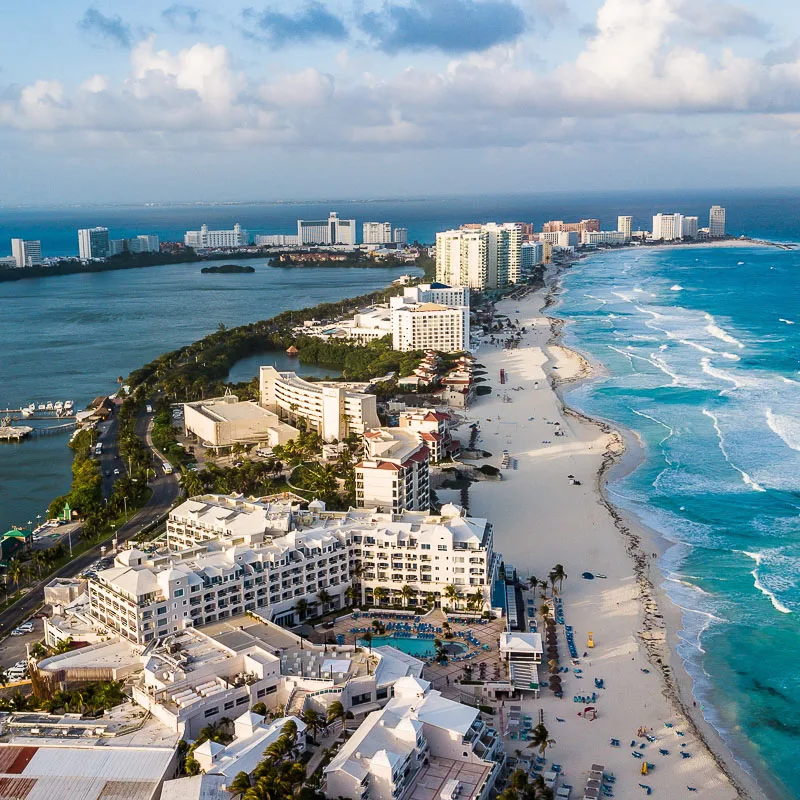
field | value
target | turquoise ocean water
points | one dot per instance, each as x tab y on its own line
702	352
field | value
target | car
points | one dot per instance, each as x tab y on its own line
107	472
116	471
17	632
26	626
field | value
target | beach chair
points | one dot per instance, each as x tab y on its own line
663	752
646	788
684	754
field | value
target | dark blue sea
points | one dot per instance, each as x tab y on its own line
702	352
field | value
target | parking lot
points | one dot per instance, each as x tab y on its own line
13	648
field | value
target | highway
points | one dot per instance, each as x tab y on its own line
166	491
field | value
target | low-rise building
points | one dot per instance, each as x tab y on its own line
604	237
252	736
420	739
39	769
333	409
393	475
224	421
236	237
432	428
523	653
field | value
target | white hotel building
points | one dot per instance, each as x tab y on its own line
226	556
419	740
237	237
393	476
327	231
333	409
480	256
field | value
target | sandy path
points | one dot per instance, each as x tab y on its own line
540	519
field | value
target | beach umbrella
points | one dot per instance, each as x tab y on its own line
553	662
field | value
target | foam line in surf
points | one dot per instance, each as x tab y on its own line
758	558
745	477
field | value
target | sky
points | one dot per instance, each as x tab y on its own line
113	101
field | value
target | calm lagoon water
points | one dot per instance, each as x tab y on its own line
70	337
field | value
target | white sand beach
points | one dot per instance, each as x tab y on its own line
540	519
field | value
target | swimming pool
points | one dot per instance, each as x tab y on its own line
415	647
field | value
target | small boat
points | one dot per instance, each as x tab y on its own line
49	406
600	575
26	412
58	406
41	407
68	405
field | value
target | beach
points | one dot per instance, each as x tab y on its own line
542	518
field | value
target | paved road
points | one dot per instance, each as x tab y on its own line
165	492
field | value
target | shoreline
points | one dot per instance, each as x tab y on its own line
540	519
659	612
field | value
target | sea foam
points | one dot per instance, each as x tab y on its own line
758	558
745	477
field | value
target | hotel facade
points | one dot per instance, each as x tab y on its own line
334	410
225	557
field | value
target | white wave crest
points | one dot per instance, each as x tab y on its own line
787	321
758	558
720	333
720	374
676	288
670	431
786	427
701	347
745	477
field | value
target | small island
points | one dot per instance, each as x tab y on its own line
228	269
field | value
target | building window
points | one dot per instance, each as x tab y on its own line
240	701
360	699
179	593
162	610
209	712
229	705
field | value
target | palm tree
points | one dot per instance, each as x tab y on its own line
301	607
38	651
336	711
324	598
476	600
407	593
430	599
541	738
452	594
367	637
350	594
15	571
380	594
553	581
314	721
544	610
558	573
240	784
533	582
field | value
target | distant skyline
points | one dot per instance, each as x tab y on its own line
204	100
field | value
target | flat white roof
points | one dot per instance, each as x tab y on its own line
521	643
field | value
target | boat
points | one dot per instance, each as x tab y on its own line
40	407
26	412
68	405
59	406
49	406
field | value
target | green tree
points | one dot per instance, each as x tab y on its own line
301	607
380	594
336	711
540	739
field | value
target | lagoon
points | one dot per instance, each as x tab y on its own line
70	337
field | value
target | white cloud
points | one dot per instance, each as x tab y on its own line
642	60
